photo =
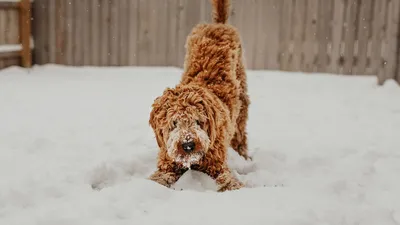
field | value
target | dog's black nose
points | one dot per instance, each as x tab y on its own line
188	146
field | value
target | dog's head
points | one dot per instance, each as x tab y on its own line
185	121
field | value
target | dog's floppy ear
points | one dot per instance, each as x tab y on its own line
158	116
215	118
154	124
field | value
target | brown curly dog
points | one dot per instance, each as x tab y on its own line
195	122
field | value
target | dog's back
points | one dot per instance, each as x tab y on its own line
214	57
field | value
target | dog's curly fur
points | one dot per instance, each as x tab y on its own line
208	108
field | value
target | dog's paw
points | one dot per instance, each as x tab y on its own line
231	185
163	178
228	182
162	182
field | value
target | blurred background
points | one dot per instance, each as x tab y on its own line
347	37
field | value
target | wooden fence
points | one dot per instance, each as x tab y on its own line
353	37
15	33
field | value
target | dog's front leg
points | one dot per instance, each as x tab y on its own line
224	178
226	181
167	175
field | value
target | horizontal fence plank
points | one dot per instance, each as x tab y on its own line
9	54
9	5
14	60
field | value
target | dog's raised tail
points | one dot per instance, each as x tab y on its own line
220	10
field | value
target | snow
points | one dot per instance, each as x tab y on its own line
10	48
325	150
14	47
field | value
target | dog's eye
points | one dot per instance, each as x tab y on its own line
174	123
198	122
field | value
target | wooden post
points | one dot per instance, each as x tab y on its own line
25	32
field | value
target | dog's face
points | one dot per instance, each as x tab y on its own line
183	120
186	139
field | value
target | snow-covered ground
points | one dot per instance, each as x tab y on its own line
326	150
